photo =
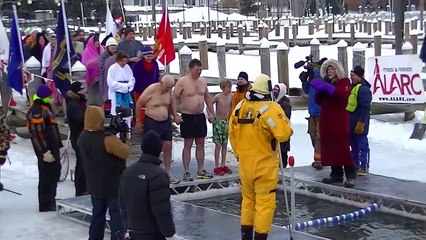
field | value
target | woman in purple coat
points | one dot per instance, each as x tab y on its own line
146	72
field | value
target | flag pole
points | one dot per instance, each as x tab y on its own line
67	38
122	11
167	70
15	14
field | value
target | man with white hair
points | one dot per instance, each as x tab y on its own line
158	99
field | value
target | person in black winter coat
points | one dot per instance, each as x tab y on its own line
103	156
144	195
279	92
76	106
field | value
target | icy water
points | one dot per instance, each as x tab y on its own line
375	225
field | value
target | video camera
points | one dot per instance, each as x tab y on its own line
310	66
117	124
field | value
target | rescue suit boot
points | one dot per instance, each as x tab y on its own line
246	232
260	236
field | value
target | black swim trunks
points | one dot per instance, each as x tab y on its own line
163	128
193	126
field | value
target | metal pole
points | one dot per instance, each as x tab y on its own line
422	9
67	37
399	7
208	11
82	14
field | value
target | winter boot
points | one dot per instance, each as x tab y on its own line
317	165
246	232
331	180
260	236
349	183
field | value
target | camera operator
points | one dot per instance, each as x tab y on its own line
312	71
103	157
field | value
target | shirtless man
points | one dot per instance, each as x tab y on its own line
158	99
192	91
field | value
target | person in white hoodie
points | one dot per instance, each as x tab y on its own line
120	84
279	92
48	57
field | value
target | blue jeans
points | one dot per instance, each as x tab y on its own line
360	151
97	224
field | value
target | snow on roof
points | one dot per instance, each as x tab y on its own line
198	14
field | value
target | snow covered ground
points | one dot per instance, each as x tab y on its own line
392	154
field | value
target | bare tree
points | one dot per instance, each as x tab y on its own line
298	7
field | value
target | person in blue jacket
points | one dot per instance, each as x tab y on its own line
313	119
359	105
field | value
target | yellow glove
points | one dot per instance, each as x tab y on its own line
48	157
359	128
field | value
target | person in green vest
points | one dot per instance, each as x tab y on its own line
359	105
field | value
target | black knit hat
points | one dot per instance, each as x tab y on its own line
359	71
76	87
243	75
152	144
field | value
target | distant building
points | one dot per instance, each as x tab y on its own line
195	3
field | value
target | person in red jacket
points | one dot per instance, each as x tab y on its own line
333	93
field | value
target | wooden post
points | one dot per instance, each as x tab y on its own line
330	31
407	48
265	57
220	31
189	29
246	32
414	41
283	68
414	23
315	49
202	29
287	34
342	54
379	24
174	31
255	25
140	29
369	27
294	32
227	31
185	32
360	25
265	31
209	30
203	47
260	30
145	33
317	24
277	28
407	31
99	27
240	39
358	55
387	27
311	27
352	28
231	29
375	26
377	43
185	56
344	22
365	25
221	58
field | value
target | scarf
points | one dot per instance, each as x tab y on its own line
149	67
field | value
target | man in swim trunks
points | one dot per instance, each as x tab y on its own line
157	98
192	91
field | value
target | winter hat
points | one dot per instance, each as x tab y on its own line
152	144
76	87
43	91
359	71
260	84
147	50
111	42
243	75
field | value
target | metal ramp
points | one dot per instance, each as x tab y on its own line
400	197
192	222
205	188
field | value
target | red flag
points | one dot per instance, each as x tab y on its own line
164	49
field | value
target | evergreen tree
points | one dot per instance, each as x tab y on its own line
248	7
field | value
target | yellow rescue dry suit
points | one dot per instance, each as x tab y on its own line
254	129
